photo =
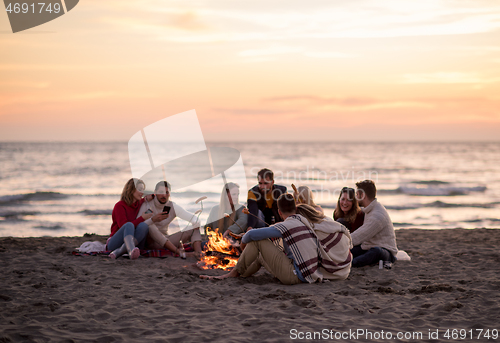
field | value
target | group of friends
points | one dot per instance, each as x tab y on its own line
287	233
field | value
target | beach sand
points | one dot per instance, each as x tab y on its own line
47	294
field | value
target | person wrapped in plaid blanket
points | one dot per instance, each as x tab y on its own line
315	247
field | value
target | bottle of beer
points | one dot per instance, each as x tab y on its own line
182	252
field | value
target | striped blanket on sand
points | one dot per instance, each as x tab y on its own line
321	251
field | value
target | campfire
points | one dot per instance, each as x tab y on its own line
219	253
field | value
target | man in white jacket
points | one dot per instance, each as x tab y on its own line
375	240
158	236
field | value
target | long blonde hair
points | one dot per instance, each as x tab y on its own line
129	189
225	206
305	196
313	215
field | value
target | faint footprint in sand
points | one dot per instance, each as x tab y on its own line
305	303
440	287
252	322
448	307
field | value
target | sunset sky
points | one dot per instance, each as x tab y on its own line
257	70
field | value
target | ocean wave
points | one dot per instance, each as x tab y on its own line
403	224
87	171
17	216
419	225
390	191
96	212
433	188
434	204
440	204
440	191
477	220
431	182
380	170
47	196
403	207
473	220
51	227
116	196
37	196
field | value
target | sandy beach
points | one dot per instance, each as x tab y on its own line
48	294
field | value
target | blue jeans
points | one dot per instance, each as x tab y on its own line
366	257
140	233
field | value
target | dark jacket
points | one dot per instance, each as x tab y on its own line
260	204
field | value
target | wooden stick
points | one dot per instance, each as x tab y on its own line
246	211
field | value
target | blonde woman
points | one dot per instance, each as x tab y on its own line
128	231
237	222
304	195
335	242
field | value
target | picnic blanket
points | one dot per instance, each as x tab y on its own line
97	248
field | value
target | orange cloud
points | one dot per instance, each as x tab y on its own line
349	103
188	20
366	103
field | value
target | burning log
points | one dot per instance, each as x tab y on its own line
219	253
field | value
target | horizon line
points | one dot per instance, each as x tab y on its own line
267	142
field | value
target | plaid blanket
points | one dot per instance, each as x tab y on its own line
144	253
321	251
335	249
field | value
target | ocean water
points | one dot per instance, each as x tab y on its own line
68	189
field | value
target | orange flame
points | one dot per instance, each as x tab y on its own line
220	244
